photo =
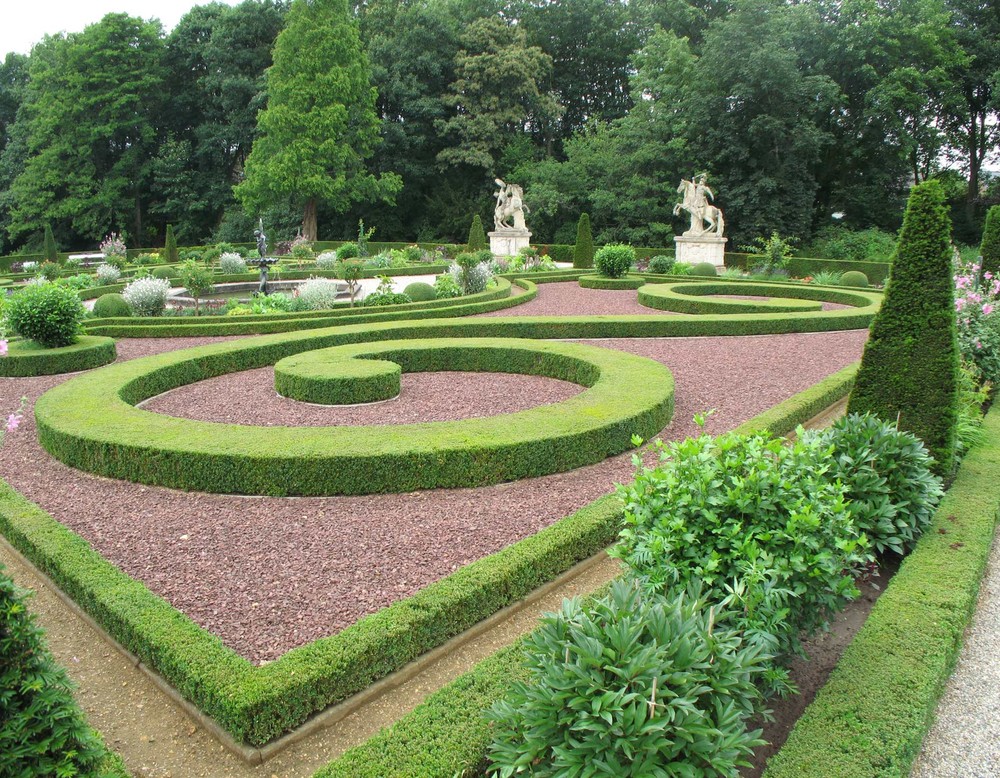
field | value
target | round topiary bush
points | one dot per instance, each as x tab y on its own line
614	260
419	292
108	305
853	278
46	313
704	269
661	264
162	272
347	251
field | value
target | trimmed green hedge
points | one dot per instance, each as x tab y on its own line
602	282
872	715
695	297
328	377
447	734
26	358
801	267
91	423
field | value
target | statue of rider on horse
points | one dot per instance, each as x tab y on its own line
696	196
510	204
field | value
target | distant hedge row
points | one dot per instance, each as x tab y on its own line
800	267
697	298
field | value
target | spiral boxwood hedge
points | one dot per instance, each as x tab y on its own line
26	358
603	282
696	297
92	423
329	377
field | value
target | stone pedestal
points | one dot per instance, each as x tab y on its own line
692	249
508	241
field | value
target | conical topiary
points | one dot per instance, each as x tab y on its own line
51	251
990	247
910	365
170	246
477	236
583	251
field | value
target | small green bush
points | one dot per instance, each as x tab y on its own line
420	292
42	730
378	299
109	305
445	286
888	477
477	236
46	313
614	260
162	272
583	249
704	269
347	251
661	264
635	683
49	270
853	278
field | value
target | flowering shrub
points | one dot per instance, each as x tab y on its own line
114	246
147	296
29	267
327	260
318	293
231	263
107	274
472	272
977	306
147	259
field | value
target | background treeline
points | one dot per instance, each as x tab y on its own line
798	111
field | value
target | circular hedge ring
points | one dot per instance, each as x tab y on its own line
696	298
91	422
603	282
330	377
26	358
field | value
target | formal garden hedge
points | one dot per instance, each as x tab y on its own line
91	423
800	267
703	297
27	358
602	282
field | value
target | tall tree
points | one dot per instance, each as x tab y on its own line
90	134
319	126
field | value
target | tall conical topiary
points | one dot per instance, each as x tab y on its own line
51	251
477	236
583	251
170	246
990	247
910	365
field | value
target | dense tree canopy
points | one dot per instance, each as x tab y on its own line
797	112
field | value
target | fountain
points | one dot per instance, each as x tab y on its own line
263	262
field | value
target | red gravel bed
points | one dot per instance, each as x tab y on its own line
249	398
568	298
269	574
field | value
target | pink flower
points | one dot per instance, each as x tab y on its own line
3	347
987	309
987	275
959	303
13	421
979	344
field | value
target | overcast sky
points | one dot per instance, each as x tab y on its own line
24	22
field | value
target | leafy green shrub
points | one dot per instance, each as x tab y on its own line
196	280
445	286
472	272
327	260
839	242
162	272
477	236
989	249
419	291
108	305
350	271
78	282
413	254
107	274
46	313
910	365
42	730
147	259
887	474
347	251
614	260
49	270
704	269
317	294
853	278
661	264
758	522
635	683
769	254
231	264
147	296
386	298
829	278
583	249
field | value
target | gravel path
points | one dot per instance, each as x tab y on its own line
269	574
965	738
568	298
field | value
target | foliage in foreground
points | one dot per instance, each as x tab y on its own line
46	313
640	684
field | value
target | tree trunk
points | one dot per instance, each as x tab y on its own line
309	220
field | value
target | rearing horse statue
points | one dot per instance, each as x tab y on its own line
696	196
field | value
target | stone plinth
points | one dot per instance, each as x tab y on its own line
507	242
702	248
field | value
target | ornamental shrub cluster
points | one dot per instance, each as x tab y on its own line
111	305
661	264
108	274
472	272
327	260
639	683
231	263
317	294
614	260
147	296
42	730
49	314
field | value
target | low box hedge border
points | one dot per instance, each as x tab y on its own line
26	359
871	717
694	298
447	735
91	422
602	282
327	378
876	272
